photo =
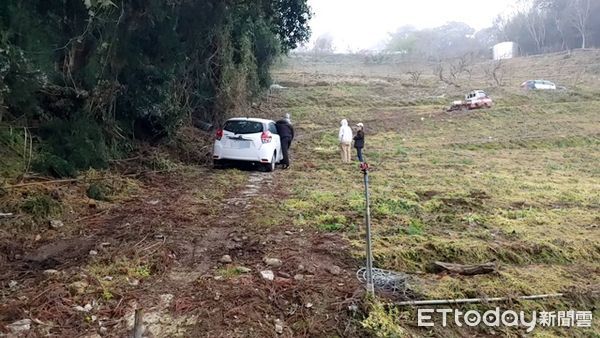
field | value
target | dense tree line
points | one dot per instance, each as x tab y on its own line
88	76
541	26
553	25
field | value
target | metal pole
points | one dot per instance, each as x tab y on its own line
474	300
370	286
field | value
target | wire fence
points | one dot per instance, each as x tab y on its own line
386	280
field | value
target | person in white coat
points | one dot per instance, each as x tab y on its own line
345	138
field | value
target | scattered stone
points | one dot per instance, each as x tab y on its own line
153	202
93	253
226	259
166	299
217	296
237	239
105	244
134	282
267	274
38	238
334	269
243	269
289	233
301	267
244	238
19	326
78	287
308	305
86	308
55	224
218	278
274	262
278	326
13	284
50	272
108	278
299	277
353	308
285	275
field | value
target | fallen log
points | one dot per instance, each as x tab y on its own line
467	270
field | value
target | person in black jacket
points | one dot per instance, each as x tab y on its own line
286	135
359	141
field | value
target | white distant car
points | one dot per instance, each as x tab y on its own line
475	99
250	140
538	84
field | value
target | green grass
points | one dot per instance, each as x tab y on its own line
518	184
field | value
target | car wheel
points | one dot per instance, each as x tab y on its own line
271	166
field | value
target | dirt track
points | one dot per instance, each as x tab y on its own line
188	291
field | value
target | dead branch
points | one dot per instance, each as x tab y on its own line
41	183
475	300
467	270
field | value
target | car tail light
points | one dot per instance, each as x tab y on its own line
219	134
266	137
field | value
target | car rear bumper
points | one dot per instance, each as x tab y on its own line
262	155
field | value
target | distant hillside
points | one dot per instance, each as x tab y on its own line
577	68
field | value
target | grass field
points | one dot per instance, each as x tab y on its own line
518	184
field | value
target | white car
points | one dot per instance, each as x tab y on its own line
249	140
538	84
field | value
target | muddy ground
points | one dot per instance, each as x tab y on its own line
162	252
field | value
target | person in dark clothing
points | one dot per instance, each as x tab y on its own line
359	141
286	135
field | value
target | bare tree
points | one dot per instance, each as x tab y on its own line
447	79
462	65
536	27
415	76
323	45
495	72
579	18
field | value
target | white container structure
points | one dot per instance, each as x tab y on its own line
505	50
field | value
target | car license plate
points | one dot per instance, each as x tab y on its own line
240	144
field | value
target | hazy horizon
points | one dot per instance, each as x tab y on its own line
356	24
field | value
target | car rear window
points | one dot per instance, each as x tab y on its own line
243	127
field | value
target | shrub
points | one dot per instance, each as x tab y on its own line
98	192
71	145
41	207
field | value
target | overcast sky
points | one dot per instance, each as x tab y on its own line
360	24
